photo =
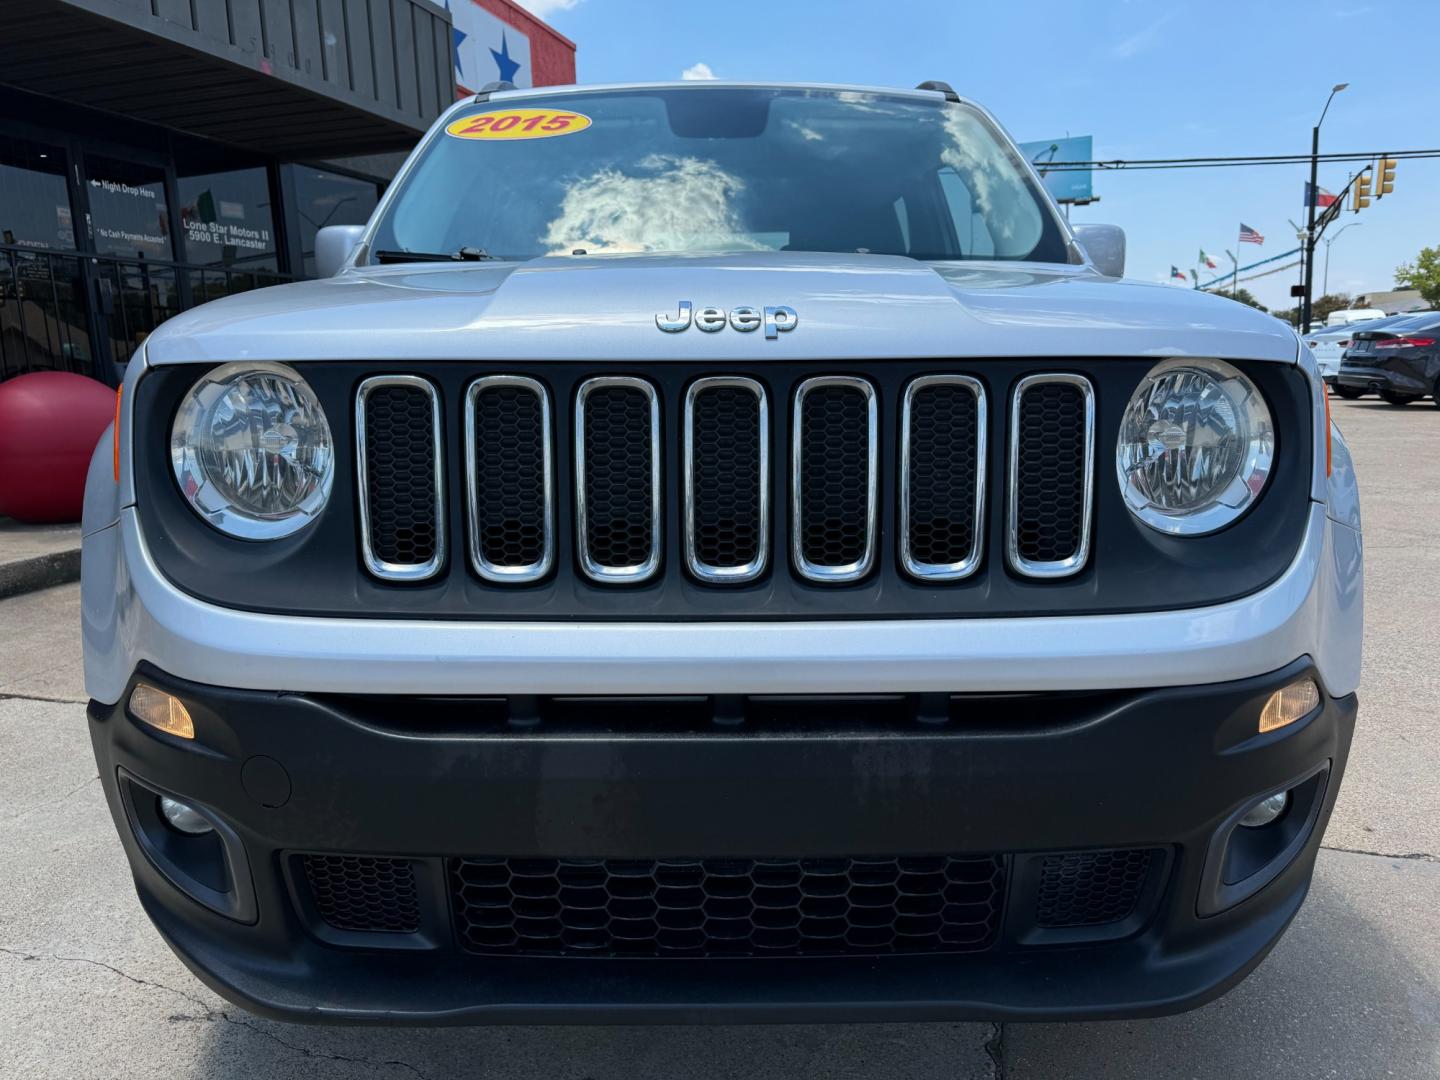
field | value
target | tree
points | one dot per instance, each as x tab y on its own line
1330	302
1245	296
1422	274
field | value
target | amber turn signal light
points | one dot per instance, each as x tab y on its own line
1291	703
161	711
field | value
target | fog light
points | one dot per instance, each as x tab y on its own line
1266	810
184	818
1294	702
162	711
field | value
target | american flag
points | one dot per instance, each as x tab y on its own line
1249	235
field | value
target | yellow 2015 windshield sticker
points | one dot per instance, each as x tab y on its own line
518	124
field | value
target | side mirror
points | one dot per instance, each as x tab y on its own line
1105	244
333	245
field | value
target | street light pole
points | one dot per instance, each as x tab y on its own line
1325	288
1313	193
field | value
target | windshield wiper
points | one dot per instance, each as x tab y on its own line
465	254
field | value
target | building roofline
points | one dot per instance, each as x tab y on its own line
532	17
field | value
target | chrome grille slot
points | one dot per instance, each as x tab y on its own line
942	477
727	479
1052	450
617	485
834	447
400	473
510	477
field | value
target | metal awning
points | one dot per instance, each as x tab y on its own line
288	77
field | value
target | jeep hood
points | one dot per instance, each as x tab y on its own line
603	308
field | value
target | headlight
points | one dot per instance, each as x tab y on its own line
1196	446
252	450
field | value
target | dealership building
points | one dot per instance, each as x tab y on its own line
156	154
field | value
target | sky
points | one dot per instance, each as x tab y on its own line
1146	79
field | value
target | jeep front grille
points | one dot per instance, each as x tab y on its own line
728	907
1052	449
401	473
617	467
607	441
510	478
942	476
834	478
727	479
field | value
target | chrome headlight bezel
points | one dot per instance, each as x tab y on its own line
196	484
1230	500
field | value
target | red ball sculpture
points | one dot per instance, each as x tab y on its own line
49	424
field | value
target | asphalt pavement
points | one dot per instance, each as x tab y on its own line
87	989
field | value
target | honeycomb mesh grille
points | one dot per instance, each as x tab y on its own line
400	476
943	482
619	462
1050	472
1091	888
834	449
726	463
511	518
364	894
700	907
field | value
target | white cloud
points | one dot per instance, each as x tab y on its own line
698	72
542	8
675	204
1140	41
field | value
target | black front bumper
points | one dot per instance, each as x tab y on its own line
1011	776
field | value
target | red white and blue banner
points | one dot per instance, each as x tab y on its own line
486	49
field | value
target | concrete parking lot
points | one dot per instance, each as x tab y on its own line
87	989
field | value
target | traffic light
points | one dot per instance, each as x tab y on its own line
1362	192
1387	177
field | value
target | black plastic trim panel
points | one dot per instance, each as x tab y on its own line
1131	567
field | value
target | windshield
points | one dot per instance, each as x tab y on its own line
721	169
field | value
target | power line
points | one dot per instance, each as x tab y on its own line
1118	164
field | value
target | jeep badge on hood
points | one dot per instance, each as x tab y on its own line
776	320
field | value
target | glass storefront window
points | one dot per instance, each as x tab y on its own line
129	209
135	299
326	198
227	221
34	197
44	322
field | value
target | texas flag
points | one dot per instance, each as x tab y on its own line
1176	272
1206	261
1317	195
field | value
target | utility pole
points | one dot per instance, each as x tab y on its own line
1313	193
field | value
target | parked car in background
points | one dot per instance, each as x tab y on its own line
1350	316
1329	344
1400	361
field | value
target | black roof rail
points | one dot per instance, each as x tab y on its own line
943	87
490	88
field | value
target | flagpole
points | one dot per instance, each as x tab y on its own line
1235	285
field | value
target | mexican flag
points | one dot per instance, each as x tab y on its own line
1206	261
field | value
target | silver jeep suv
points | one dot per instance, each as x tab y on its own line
721	552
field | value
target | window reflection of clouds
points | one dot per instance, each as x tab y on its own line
679	203
973	153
